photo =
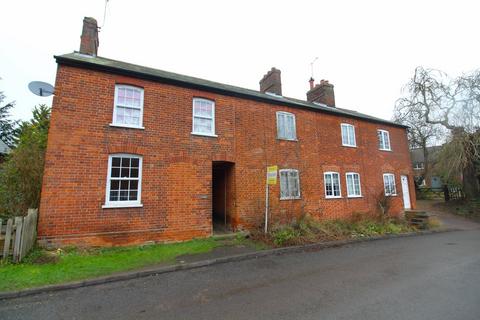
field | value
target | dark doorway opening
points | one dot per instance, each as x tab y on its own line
222	196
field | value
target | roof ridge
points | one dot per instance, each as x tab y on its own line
111	65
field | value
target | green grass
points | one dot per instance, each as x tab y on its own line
73	264
252	243
467	208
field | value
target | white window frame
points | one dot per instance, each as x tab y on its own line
290	197
385	137
339	185
211	134
348	126
114	123
349	192
392	176
286	114
418	166
123	204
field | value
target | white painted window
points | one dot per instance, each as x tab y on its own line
383	140
124	182
389	184
128	107
286	129
418	166
203	117
289	184
332	185
348	135
353	185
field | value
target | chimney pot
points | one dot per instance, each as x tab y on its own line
321	93
312	83
89	39
272	82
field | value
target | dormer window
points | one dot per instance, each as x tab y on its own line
128	107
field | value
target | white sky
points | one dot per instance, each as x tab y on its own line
367	49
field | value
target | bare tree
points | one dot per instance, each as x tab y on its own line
452	104
410	110
420	133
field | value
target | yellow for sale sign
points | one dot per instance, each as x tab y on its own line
272	174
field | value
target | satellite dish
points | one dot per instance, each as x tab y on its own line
41	89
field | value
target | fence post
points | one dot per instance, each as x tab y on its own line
8	237
18	238
29	233
1	230
446	193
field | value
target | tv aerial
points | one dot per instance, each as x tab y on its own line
41	89
311	67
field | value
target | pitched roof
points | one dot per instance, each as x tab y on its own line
417	155
3	148
124	68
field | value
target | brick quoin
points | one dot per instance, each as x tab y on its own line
177	166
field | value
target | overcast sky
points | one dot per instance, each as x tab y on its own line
367	49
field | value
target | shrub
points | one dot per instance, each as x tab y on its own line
307	230
285	235
384	202
21	174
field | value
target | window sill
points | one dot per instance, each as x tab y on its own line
348	146
390	150
204	135
119	206
125	126
333	197
291	198
283	139
353	197
391	195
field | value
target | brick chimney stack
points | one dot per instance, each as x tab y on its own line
271	82
89	39
321	93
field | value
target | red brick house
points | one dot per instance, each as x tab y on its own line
137	154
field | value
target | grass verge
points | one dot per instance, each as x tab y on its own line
465	208
307	230
46	267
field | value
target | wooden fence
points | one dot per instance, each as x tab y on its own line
453	193
430	193
447	193
18	235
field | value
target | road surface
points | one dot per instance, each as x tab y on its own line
423	277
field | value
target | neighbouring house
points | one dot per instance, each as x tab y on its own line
4	149
137	154
431	180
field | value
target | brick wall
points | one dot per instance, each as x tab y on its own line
177	166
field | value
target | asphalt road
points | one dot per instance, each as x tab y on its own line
424	277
